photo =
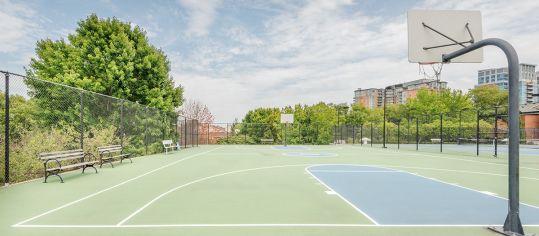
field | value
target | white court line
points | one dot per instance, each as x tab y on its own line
471	189
408	153
457	171
113	187
355	171
196	181
338	194
262	226
429	178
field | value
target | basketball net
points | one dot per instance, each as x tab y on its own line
434	72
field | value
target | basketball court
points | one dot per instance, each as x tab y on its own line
300	190
264	190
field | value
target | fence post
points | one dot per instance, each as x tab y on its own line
176	128
122	122
477	135
353	134
361	134
6	133
399	135
299	131
185	131
441	132
81	127
146	133
372	131
416	133
208	142
496	132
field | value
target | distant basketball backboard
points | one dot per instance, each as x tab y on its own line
287	118
432	33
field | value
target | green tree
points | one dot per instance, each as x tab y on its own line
111	57
358	115
488	96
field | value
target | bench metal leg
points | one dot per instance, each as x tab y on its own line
84	168
128	157
56	173
110	162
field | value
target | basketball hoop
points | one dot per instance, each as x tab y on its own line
433	73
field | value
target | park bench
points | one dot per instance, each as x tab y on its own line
435	140
266	141
107	154
56	162
168	144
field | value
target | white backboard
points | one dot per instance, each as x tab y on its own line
452	24
287	118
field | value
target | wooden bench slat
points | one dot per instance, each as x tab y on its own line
110	149
72	165
69	158
56	156
59	152
111	146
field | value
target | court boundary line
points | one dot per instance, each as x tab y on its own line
355	171
433	179
197	181
467	188
437	155
339	195
268	225
292	224
459	171
113	187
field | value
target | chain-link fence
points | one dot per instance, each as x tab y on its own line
264	133
467	132
41	116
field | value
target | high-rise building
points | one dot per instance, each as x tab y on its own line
395	94
528	82
370	98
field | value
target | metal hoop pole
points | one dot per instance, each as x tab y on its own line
512	222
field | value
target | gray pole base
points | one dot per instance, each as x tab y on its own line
499	230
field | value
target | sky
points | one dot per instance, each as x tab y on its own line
235	56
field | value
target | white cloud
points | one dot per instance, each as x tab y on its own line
322	51
16	26
201	15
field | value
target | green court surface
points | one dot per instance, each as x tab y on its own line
242	190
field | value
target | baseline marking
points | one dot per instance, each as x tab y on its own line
113	187
338	194
257	225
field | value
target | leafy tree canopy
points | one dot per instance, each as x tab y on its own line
488	96
111	57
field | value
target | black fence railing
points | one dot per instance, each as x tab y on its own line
42	116
468	132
